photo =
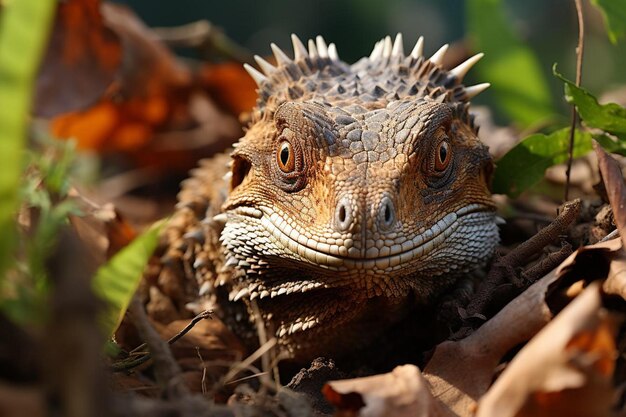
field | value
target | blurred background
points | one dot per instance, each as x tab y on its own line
548	27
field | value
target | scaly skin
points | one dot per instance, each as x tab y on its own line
357	193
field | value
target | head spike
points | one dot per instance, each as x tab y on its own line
332	52
418	49
437	57
377	51
265	66
398	46
281	57
299	51
460	70
474	90
322	48
312	49
256	75
387	46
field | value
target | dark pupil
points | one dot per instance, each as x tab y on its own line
443	153
284	155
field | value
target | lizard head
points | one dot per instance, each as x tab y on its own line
359	183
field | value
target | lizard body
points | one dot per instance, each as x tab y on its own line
357	192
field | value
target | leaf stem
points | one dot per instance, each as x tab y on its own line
580	49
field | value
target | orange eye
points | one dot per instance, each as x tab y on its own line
285	157
443	156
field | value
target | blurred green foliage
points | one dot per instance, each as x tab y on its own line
24	27
43	193
614	12
117	280
525	164
512	68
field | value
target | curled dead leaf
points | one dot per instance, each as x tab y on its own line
563	371
402	392
614	185
81	61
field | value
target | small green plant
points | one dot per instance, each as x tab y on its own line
521	92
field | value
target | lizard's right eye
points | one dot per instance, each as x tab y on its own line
285	157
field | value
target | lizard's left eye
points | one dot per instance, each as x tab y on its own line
285	157
443	156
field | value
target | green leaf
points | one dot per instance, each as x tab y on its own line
525	164
608	117
518	84
24	26
614	12
117	280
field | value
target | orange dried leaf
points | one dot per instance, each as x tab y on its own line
81	61
90	127
563	370
401	392
230	86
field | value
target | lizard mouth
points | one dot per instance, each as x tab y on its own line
341	255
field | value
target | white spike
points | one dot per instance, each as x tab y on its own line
387	46
437	57
242	293
256	75
265	66
220	218
474	90
322	48
377	51
281	57
460	70
299	51
312	49
398	46
499	220
418	49
332	52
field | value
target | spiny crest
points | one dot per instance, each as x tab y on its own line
386	75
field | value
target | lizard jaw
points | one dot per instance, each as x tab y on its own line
340	255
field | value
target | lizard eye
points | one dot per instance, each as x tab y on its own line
285	157
443	156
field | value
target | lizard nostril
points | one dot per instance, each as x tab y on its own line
343	214
387	213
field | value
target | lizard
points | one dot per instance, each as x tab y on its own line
356	193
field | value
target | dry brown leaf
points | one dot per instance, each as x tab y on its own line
230	86
81	61
565	370
402	392
460	372
17	401
615	188
101	228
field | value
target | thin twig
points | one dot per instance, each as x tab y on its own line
580	49
130	364
204	315
502	267
166	370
